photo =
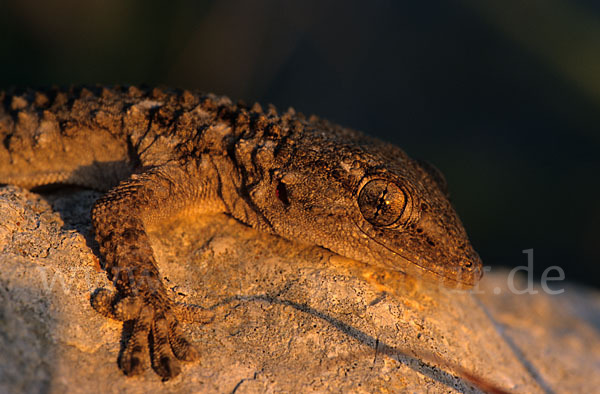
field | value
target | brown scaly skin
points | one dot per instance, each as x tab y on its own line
158	152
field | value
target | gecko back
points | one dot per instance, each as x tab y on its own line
50	137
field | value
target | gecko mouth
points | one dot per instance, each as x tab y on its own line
464	278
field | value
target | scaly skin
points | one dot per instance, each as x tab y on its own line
158	152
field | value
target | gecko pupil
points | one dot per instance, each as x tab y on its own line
381	202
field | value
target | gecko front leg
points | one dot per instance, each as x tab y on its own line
120	219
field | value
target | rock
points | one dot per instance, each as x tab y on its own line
289	317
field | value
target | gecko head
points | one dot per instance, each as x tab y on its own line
368	201
410	217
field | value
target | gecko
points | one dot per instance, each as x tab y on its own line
158	152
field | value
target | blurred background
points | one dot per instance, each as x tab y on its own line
502	96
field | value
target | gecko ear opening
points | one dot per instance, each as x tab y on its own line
436	175
282	193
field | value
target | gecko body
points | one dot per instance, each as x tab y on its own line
158	152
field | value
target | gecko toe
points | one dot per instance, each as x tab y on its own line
192	313
181	347
102	301
163	361
131	361
111	305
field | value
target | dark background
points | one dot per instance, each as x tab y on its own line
502	96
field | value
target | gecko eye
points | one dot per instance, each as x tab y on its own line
381	202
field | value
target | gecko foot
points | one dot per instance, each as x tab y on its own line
152	327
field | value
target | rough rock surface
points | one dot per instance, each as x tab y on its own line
289	317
